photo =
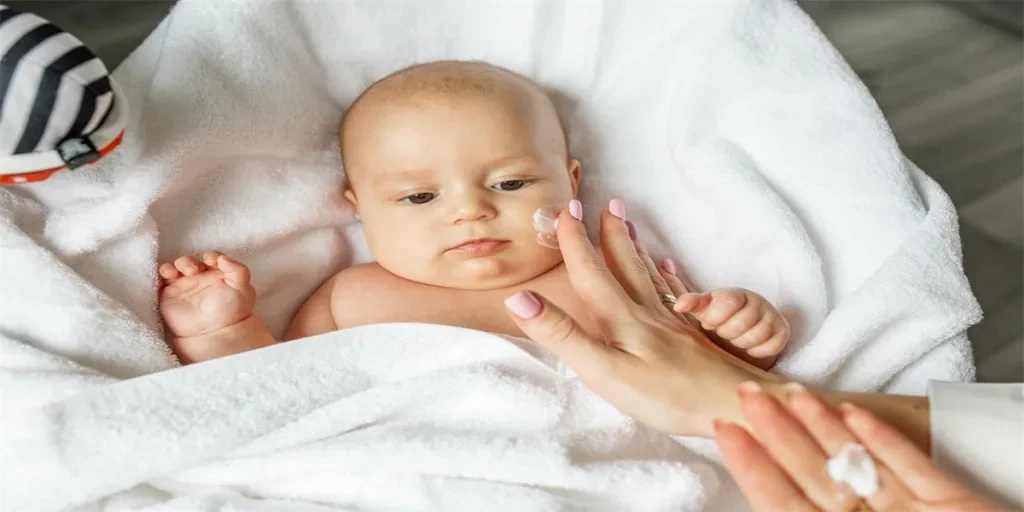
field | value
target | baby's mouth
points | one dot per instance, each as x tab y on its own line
481	246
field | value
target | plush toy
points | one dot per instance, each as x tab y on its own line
59	107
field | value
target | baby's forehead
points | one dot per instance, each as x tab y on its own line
451	83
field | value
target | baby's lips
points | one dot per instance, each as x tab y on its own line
545	221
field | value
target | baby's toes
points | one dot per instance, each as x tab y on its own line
168	272
188	265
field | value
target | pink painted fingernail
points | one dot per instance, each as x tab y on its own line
618	208
669	266
576	209
632	229
524	304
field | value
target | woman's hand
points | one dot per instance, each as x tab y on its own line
782	465
646	360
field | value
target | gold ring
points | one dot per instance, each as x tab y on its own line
862	506
667	298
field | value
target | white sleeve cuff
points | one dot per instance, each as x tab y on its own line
977	437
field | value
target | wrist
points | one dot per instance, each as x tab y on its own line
727	402
242	336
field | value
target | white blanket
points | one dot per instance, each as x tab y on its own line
742	143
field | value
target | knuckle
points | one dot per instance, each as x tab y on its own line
728	302
638	267
562	329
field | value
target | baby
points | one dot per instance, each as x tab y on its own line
446	164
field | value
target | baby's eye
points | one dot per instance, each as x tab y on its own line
510	185
420	198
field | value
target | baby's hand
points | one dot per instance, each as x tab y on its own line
200	297
742	318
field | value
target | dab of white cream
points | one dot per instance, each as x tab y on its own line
854	467
545	221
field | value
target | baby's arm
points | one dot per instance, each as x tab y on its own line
744	320
315	316
207	306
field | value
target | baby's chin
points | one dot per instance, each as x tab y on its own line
494	273
489	273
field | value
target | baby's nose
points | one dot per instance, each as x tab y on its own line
474	208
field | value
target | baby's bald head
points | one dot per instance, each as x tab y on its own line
451	82
441	154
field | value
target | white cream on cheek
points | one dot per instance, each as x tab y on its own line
545	221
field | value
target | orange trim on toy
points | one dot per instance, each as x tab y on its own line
37	176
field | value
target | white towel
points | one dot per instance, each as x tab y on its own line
742	143
385	417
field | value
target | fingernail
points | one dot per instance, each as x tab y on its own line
794	387
749	388
576	209
618	208
632	229
523	304
718	424
669	266
845	407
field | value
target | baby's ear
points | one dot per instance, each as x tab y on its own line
350	196
575	170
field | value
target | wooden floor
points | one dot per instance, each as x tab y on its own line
950	81
952	87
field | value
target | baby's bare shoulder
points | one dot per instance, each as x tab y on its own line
368	294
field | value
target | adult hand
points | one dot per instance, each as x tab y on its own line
782	465
645	359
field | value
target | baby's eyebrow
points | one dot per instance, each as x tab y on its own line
404	174
510	161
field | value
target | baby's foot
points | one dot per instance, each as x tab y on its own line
741	318
201	296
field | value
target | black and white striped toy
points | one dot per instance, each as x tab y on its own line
59	106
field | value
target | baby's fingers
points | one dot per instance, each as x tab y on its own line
694	303
210	257
236	275
168	272
188	265
774	345
718	307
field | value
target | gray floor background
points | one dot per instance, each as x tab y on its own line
948	75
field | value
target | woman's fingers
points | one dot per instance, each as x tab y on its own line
621	256
760	479
661	286
790	445
828	430
551	327
901	456
670	273
589	276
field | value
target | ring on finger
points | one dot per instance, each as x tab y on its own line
667	298
862	506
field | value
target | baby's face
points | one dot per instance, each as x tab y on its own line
446	190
